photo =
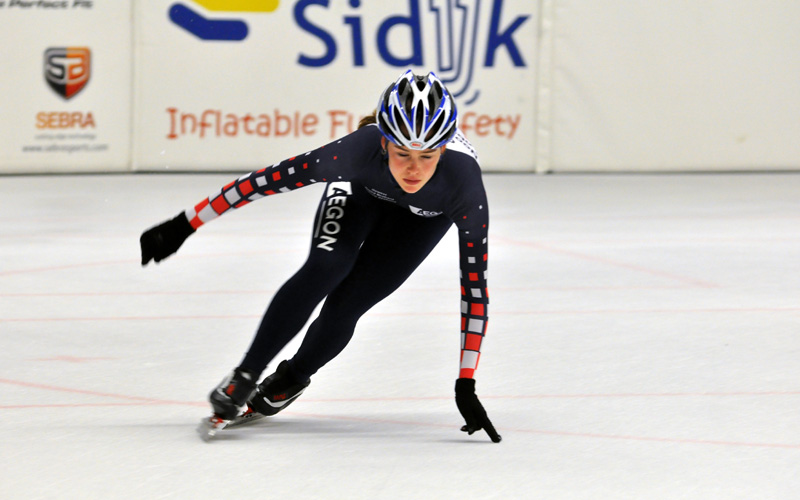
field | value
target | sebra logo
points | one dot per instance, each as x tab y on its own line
67	69
467	33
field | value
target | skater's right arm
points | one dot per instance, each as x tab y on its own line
339	160
163	240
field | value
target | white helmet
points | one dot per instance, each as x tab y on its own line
417	112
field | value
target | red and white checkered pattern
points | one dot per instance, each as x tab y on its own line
474	297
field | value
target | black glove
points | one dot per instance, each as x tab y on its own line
165	239
472	409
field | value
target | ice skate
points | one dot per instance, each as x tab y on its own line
226	399
210	426
246	417
277	391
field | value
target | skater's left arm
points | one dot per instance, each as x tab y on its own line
471	217
473	246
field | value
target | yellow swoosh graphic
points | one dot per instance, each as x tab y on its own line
239	5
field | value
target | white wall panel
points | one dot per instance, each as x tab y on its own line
44	128
675	85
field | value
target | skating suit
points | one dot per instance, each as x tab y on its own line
368	237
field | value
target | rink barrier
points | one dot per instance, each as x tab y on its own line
542	86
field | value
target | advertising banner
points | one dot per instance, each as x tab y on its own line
66	86
238	84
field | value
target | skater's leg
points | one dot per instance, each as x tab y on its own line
391	252
344	217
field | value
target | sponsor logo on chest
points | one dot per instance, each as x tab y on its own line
422	212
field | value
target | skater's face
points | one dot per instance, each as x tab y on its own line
412	169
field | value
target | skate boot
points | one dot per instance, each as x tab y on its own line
232	393
277	391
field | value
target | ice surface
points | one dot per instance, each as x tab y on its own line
643	343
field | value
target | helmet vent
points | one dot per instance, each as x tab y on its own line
436	126
431	101
398	119
438	89
419	118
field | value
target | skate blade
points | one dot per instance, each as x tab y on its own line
245	418
209	427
